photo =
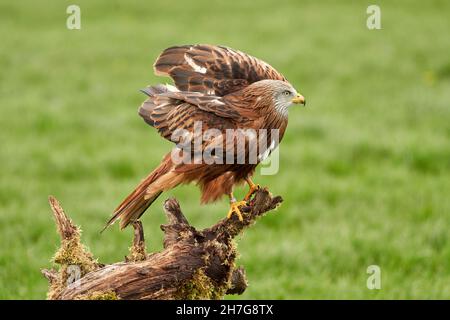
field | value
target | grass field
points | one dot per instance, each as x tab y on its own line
365	168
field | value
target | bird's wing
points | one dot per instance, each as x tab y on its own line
212	69
168	111
219	106
187	117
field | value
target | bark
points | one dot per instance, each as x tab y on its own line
194	264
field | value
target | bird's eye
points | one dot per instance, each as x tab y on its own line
287	92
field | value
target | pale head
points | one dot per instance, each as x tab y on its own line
282	93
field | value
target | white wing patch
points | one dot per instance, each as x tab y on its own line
218	102
171	88
268	151
193	65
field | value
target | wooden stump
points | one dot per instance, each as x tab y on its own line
193	264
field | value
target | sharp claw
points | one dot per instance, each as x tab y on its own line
252	190
238	212
234	208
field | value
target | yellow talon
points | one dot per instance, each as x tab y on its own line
234	208
253	188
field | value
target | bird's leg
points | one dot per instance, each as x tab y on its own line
253	188
234	207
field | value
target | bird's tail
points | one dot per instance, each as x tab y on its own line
133	206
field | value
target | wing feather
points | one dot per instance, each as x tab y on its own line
168	111
214	70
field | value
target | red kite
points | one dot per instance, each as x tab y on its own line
222	89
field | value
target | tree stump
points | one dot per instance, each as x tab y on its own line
193	264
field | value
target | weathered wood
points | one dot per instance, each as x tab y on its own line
193	264
138	252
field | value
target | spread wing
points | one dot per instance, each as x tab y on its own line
176	117
214	70
182	117
168	111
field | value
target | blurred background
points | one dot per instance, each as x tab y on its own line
364	169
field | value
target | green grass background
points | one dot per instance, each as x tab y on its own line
365	168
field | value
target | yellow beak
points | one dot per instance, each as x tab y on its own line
299	99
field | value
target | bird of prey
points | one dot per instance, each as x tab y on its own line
224	89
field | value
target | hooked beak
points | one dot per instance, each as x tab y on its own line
299	99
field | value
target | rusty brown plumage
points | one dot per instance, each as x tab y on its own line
224	89
225	70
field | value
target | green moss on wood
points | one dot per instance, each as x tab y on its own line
201	287
71	253
99	295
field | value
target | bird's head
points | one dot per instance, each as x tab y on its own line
282	94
